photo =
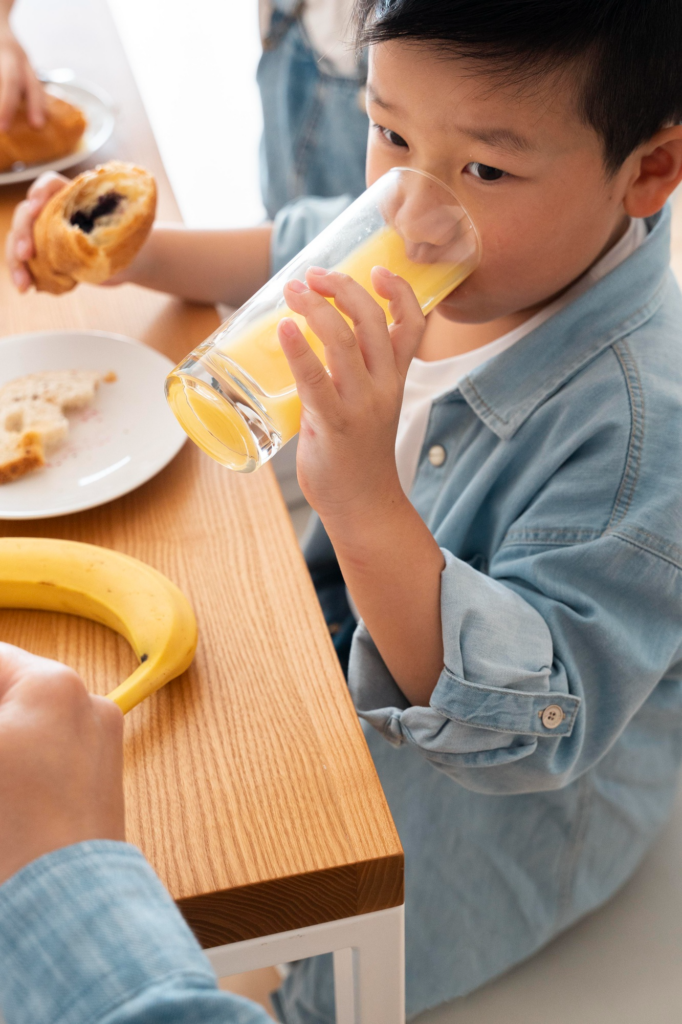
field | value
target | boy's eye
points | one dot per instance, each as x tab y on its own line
392	137
484	172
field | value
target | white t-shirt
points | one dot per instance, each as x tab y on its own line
427	381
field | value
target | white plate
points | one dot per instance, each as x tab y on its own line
98	108
123	439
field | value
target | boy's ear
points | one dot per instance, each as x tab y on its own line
657	171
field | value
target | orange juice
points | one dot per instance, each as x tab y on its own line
253	360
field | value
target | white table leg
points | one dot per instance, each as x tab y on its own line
369	962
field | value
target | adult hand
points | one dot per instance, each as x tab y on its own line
19	246
346	449
61	761
18	81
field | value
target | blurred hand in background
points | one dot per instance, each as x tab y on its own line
18	80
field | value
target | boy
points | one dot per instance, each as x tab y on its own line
520	612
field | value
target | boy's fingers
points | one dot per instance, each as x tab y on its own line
344	358
408	320
45	186
19	247
365	313
315	387
21	235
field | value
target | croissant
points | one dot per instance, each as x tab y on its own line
60	135
93	228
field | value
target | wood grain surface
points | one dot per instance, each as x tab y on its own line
249	785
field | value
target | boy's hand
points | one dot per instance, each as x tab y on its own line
346	450
61	761
19	247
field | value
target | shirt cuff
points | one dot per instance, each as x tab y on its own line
89	933
298	223
489	704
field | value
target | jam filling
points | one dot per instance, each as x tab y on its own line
106	204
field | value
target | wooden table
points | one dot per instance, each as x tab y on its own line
248	782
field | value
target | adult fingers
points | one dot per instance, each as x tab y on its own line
344	358
364	312
35	97
315	387
13	661
21	668
10	87
408	320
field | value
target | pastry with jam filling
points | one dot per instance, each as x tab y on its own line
93	228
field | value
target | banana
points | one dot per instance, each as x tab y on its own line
108	587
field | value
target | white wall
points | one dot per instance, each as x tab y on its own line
194	62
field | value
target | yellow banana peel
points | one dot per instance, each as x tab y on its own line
108	587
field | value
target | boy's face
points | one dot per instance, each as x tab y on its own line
547	211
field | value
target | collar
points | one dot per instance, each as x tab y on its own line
507	390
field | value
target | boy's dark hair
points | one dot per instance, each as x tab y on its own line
628	52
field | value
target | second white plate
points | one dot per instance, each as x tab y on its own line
122	440
98	108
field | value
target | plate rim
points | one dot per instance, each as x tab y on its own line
71	159
86	505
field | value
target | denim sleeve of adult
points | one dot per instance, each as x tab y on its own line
550	624
298	223
89	934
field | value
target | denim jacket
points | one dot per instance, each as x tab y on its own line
547	758
88	934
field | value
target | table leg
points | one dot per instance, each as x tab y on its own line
369	962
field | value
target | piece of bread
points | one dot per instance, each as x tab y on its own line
59	136
19	454
32	420
93	228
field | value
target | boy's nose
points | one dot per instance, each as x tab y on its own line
429	225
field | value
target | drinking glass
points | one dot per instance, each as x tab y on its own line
235	395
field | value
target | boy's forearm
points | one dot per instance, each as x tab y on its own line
203	265
392	566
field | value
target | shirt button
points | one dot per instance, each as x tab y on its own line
437	455
552	716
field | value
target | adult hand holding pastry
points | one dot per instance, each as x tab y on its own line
85	230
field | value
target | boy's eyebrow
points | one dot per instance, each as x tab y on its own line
374	98
504	138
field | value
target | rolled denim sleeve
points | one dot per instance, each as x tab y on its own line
548	625
299	222
88	933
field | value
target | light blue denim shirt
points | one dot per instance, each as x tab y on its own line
558	508
88	934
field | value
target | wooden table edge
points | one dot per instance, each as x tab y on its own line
297	901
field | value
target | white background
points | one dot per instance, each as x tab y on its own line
195	62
